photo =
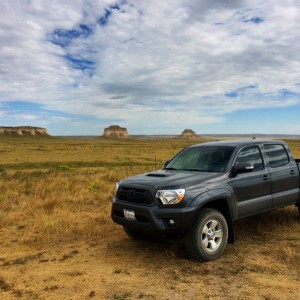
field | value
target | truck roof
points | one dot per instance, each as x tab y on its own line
236	143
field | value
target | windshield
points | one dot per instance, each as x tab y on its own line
205	159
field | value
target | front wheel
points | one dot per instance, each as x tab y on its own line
208	237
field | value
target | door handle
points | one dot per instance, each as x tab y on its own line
266	177
292	172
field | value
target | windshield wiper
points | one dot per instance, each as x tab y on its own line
198	170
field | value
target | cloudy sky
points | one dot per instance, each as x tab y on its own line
155	67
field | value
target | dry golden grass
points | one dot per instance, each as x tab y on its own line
58	241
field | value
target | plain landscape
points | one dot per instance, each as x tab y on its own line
58	241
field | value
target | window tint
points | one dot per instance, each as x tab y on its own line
251	155
276	155
205	159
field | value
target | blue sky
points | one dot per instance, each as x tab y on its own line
76	67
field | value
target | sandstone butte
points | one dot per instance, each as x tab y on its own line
188	134
23	131
115	131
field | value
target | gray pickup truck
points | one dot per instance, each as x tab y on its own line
204	189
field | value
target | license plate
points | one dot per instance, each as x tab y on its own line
129	215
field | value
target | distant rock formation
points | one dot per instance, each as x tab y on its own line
115	131
23	131
189	134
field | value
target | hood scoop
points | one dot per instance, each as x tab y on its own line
157	175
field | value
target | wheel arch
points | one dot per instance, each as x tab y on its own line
223	200
222	206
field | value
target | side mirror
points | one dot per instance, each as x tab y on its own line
242	168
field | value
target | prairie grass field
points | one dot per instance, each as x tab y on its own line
57	240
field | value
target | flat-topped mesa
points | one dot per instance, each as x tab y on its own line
23	131
189	134
115	131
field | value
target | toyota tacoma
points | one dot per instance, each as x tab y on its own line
204	189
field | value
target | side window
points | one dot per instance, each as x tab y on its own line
251	155
277	155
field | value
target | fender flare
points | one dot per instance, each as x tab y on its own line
216	197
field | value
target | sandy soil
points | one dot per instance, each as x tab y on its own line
258	266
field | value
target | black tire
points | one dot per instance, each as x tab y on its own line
135	235
208	237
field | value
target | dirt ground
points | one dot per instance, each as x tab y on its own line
263	264
57	240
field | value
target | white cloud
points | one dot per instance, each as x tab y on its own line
160	59
25	117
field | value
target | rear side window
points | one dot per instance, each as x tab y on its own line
277	155
251	155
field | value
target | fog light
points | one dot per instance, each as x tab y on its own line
172	222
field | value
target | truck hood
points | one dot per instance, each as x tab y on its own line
170	179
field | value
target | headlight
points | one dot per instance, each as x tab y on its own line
170	196
116	189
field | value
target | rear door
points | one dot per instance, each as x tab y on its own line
284	175
252	189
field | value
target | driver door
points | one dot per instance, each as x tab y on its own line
252	189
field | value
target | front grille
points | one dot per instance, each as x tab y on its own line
134	195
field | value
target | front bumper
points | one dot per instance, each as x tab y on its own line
154	219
